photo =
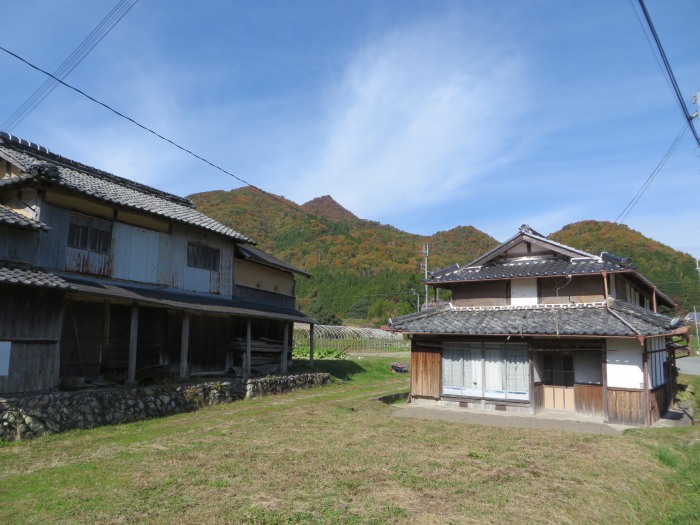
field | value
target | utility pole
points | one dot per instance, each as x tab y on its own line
426	249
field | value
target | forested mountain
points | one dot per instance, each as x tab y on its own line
672	271
365	270
361	269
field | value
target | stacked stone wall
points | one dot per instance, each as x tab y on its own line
30	416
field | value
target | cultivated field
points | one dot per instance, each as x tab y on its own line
336	455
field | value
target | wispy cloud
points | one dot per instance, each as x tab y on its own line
419	113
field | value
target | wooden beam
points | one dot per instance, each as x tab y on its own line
185	346
133	343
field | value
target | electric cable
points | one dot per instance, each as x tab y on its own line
321	220
79	53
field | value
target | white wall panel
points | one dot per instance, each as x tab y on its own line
135	253
625	364
523	292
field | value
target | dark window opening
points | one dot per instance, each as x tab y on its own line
204	257
89	234
558	370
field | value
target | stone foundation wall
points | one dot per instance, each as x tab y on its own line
30	416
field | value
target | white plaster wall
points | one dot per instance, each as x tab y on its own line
523	292
625	363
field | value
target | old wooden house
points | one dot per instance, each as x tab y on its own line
103	277
535	326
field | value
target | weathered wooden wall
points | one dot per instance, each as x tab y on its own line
658	402
262	277
538	397
626	407
425	371
484	293
582	289
31	320
589	399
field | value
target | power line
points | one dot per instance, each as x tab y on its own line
321	220
667	66
632	203
79	53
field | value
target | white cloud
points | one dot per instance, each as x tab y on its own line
419	113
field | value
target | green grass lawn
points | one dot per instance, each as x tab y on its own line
336	455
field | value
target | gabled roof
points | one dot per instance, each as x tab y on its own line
611	319
12	218
527	234
42	167
253	254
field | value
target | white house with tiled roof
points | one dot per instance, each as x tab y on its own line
535	325
104	277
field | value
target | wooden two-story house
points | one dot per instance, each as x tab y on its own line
105	278
535	326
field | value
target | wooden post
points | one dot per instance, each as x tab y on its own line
647	400
285	347
606	411
248	343
106	320
133	342
311	344
185	346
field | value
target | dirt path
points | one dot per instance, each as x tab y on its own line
474	417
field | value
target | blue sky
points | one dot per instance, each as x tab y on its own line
421	114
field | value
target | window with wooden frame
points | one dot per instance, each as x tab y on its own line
558	370
87	233
204	257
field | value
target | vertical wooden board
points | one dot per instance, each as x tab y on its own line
569	399
53	245
135	253
425	372
33	367
626	407
166	264
589	399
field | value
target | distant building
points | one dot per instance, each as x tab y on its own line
103	277
535	326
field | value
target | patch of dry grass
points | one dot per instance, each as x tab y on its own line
330	455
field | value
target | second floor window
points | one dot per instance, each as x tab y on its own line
204	257
90	234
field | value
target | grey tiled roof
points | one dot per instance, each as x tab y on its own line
12	218
177	299
620	319
259	256
527	268
30	277
53	169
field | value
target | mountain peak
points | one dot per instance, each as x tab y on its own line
327	207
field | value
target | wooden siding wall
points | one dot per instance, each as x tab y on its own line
18	245
486	293
581	289
659	403
258	276
31	320
538	397
589	399
626	407
425	371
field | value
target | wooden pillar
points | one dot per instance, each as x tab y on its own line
106	320
185	346
133	343
311	344
606	411
647	399
285	347
248	343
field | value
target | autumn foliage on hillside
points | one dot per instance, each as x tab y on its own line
366	270
673	272
361	269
